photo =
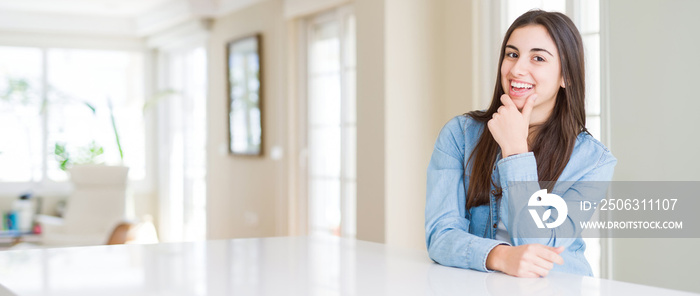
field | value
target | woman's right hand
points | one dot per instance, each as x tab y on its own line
532	260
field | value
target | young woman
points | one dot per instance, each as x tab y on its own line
534	130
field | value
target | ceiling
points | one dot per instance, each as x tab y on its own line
116	8
106	18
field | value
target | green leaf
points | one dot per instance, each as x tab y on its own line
91	107
114	127
59	149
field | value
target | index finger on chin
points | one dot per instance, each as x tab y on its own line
507	101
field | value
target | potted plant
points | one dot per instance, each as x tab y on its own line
92	153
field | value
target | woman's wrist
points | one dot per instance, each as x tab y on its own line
508	152
495	257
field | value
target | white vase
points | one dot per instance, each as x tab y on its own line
99	175
98	201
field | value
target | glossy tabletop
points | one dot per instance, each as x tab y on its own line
271	266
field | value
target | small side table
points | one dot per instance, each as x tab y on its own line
9	239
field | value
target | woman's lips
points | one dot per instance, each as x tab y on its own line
520	89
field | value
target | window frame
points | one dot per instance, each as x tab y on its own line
45	186
302	209
169	211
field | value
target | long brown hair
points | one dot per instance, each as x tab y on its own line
555	138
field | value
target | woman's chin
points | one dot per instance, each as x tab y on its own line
519	103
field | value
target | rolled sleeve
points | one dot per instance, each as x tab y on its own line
446	227
518	167
479	250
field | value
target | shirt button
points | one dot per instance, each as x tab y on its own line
493	192
495	225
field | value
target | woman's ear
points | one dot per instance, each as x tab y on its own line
562	83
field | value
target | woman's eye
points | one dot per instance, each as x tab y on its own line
539	59
511	55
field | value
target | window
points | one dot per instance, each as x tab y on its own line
21	121
586	16
331	124
56	95
182	145
100	78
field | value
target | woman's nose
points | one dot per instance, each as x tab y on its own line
519	68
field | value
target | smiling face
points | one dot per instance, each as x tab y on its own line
531	65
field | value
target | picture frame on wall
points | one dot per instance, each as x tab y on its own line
245	95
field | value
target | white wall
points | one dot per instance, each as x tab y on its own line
371	75
413	106
404	49
246	195
456	50
653	124
413	76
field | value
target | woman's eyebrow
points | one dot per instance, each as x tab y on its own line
541	49
531	50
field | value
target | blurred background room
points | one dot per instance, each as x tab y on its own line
141	121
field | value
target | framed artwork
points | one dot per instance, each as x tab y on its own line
245	85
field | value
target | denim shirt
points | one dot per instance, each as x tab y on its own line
460	239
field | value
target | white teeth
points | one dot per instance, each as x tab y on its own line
520	85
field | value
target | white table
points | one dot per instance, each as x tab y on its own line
271	266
